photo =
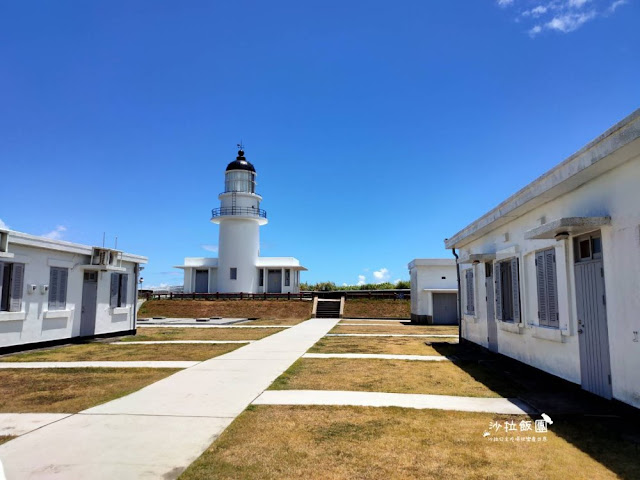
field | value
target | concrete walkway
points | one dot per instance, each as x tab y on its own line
389	335
149	325
106	364
163	342
404	400
159	430
14	424
376	356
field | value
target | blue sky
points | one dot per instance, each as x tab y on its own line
377	128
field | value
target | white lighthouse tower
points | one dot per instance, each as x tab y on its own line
240	218
239	267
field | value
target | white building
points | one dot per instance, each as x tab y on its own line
239	267
52	291
434	291
559	266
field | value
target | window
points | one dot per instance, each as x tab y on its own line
119	283
470	297
58	288
507	291
11	286
240	181
261	277
588	247
547	288
287	277
233	273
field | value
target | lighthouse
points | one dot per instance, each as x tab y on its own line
239	268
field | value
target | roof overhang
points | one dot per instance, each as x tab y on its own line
478	258
614	147
567	225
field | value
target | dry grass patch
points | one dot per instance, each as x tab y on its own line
170	333
70	390
400	329
263	309
370	308
394	376
282	442
5	438
390	345
104	352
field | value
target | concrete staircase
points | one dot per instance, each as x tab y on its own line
327	308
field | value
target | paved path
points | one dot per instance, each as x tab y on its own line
148	325
14	424
158	431
163	342
405	400
191	321
376	356
388	335
106	364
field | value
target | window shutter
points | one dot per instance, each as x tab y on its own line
1	278
62	288
17	284
497	273
53	288
113	301
469	285
124	289
515	290
543	310
552	288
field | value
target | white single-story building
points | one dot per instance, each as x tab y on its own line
52	291
434	291
551	276
239	268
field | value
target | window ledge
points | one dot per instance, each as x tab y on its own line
510	327
6	255
119	310
57	314
547	333
12	316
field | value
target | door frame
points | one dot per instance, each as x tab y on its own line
490	299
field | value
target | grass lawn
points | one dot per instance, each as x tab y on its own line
113	353
394	376
370	308
390	345
278	442
5	438
402	329
276	321
69	390
263	309
171	333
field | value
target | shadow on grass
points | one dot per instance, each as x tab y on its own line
606	431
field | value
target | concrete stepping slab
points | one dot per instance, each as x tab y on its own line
162	342
405	400
425	335
15	424
137	364
149	325
376	356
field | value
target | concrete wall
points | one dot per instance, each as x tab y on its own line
36	324
615	194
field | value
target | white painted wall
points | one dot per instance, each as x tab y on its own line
35	323
426	277
238	247
615	193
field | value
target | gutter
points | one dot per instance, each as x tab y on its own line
453	250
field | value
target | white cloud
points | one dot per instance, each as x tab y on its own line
382	275
505	3
56	233
570	21
577	3
210	248
536	12
361	280
4	225
618	3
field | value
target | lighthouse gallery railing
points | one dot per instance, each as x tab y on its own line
247	211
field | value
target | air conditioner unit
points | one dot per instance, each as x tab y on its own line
101	256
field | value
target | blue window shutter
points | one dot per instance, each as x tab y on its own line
543	310
113	299
123	289
17	286
1	280
515	290
497	275
53	288
62	288
552	287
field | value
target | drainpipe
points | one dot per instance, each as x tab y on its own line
453	250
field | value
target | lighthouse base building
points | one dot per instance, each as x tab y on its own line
239	268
